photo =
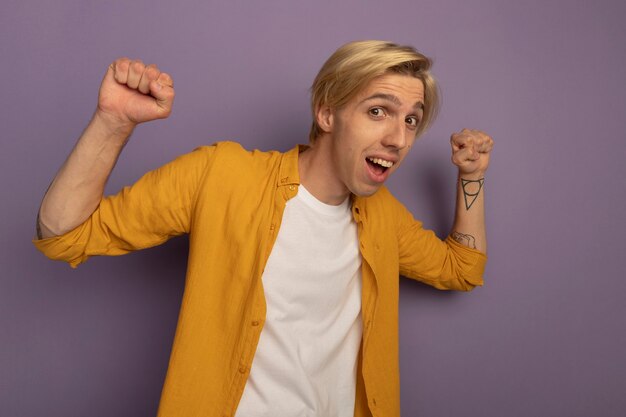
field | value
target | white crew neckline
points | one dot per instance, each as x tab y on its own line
326	209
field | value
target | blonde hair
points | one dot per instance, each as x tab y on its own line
355	64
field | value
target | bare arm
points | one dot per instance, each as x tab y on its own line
470	153
130	93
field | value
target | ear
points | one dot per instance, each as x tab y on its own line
325	118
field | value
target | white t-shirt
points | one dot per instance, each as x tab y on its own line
305	363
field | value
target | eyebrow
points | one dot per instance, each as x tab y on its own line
395	100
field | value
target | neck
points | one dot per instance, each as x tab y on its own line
317	173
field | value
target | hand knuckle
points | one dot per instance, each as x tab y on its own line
152	72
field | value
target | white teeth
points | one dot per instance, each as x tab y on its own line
382	162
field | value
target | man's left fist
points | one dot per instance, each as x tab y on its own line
470	152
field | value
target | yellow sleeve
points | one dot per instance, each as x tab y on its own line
158	206
446	265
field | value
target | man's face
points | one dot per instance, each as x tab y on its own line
374	131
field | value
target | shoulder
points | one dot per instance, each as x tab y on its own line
234	151
229	165
227	155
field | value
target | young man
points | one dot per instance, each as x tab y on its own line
291	299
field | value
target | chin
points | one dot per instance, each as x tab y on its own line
365	191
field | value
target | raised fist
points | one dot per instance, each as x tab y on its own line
470	152
132	93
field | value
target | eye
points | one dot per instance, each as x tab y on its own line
412	121
377	112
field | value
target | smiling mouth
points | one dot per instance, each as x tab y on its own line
378	165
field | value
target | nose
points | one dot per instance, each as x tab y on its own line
396	135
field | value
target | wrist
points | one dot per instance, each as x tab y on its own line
472	176
112	128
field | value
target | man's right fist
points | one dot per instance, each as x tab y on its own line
132	93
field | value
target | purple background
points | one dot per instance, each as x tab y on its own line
545	336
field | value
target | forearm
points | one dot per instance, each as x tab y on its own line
130	93
470	153
469	221
78	187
